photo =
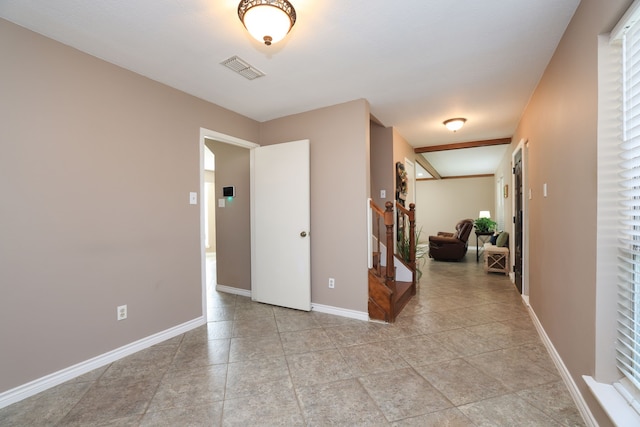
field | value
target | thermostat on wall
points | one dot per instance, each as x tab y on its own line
229	191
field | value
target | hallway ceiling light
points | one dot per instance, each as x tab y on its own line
268	21
454	124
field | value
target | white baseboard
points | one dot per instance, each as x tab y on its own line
337	311
587	416
41	384
234	291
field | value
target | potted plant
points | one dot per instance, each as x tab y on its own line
485	225
404	248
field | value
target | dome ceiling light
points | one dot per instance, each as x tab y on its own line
454	124
268	21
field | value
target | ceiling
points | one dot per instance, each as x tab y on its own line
417	62
476	161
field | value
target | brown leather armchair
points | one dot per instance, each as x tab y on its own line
451	246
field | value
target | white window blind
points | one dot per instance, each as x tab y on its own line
628	345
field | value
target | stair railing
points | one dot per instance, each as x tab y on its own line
390	277
407	246
391	288
376	218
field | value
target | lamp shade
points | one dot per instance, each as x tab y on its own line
485	214
454	124
268	21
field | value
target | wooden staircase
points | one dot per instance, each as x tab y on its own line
387	294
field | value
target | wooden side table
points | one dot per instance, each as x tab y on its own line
481	237
496	259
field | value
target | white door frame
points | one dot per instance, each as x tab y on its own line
227	139
525	217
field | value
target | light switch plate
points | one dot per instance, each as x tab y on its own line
221	203
193	198
383	194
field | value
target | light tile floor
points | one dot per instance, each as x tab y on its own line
464	352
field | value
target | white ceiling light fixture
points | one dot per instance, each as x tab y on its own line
268	21
454	124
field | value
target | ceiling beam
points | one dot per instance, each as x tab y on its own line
461	145
428	167
484	175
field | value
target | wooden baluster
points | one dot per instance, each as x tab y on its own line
389	222
412	239
378	263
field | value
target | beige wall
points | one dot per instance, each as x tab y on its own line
560	124
382	166
387	148
447	201
210	200
401	151
233	222
503	172
339	138
86	219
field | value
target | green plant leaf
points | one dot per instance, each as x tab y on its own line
485	224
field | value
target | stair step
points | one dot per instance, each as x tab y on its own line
404	292
385	302
402	288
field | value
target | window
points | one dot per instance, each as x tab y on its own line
618	215
628	340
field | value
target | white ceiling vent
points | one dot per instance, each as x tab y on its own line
242	67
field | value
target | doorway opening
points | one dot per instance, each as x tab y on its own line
210	233
208	204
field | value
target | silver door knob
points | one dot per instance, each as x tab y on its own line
303	234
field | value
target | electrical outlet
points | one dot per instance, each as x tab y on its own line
332	283
122	312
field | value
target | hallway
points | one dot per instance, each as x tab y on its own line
464	352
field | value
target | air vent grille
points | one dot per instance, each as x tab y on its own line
242	67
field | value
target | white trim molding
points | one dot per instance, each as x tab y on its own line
337	311
41	384
525	217
234	291
320	308
581	404
613	402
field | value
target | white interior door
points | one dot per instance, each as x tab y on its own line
280	221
